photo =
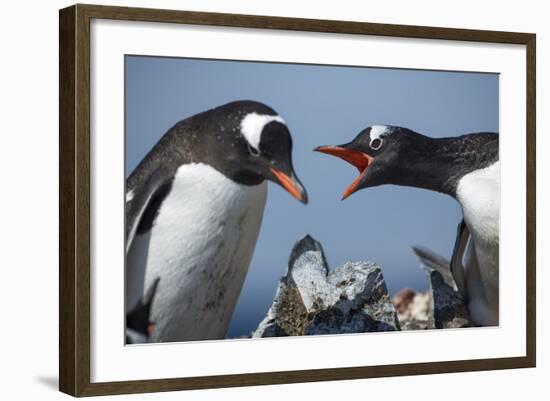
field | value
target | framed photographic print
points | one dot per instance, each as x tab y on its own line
251	200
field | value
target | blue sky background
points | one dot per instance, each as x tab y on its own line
322	105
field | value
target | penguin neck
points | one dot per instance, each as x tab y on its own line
204	152
438	164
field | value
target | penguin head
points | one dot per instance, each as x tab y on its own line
257	145
380	153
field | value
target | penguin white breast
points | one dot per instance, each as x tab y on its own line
479	195
200	246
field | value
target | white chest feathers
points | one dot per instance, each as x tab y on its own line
479	195
200	246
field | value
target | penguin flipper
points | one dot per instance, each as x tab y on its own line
457	269
431	260
143	202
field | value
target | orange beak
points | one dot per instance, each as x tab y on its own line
354	157
292	186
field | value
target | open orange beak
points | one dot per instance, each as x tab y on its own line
291	184
354	157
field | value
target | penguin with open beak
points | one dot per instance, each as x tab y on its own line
466	168
194	206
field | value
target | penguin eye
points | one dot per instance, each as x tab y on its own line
253	151
376	144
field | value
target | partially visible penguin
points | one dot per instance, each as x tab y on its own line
194	206
138	320
467	168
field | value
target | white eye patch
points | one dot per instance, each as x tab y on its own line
253	124
377	131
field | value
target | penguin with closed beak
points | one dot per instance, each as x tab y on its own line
467	168
194	206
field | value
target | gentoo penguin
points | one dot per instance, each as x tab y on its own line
467	168
194	206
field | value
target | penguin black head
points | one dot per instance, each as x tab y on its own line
249	142
381	153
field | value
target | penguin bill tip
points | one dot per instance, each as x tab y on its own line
291	184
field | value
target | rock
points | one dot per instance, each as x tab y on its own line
310	300
442	307
413	309
448	308
354	299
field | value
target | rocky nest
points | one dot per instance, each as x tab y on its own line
353	298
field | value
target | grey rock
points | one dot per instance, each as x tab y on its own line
310	300
448	308
441	307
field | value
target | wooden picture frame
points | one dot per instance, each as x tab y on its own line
74	204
